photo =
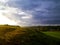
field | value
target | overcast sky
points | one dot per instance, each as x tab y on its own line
31	12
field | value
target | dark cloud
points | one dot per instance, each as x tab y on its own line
42	11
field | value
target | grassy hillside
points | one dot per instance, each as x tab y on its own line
15	35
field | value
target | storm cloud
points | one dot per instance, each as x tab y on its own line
35	12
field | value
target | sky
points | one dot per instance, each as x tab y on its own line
30	12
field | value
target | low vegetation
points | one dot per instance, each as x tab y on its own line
53	34
36	35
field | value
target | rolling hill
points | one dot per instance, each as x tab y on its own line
15	35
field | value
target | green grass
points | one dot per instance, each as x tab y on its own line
53	34
14	35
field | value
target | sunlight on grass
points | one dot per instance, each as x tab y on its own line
53	34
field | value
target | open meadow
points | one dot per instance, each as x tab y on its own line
16	35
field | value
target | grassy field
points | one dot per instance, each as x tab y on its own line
53	34
15	35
